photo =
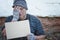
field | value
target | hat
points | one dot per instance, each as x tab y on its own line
21	3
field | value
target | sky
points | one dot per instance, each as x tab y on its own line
35	7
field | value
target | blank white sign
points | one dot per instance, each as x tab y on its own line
17	29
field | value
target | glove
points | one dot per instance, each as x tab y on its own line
31	36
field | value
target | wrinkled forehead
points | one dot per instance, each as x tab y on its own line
18	7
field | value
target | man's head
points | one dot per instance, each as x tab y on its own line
21	6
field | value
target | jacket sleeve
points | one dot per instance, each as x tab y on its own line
39	29
8	19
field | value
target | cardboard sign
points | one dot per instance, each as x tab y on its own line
17	29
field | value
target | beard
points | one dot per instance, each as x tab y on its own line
15	15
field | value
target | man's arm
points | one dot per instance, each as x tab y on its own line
8	19
34	37
40	34
41	37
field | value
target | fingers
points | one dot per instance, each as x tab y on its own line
4	32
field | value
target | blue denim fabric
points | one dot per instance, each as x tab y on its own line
35	24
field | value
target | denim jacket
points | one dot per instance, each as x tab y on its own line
35	24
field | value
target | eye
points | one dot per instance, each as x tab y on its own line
21	8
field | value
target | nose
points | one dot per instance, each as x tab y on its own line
20	13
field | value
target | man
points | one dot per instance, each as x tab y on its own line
19	13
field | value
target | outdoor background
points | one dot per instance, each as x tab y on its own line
35	7
47	11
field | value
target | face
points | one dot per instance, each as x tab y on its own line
22	12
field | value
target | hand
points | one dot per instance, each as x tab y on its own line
41	37
4	32
30	36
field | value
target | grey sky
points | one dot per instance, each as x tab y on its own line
36	7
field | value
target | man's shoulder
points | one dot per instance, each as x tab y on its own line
35	18
32	16
9	18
